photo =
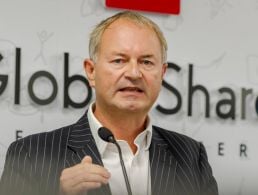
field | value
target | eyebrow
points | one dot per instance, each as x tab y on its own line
124	55
118	54
148	56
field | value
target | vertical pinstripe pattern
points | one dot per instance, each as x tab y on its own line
33	164
185	161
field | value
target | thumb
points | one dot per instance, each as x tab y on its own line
87	159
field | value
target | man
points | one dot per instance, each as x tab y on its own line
126	67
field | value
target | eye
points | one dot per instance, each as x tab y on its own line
118	61
147	64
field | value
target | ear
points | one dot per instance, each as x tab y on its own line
89	68
164	69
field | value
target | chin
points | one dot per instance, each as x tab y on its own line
134	107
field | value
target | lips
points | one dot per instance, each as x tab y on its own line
131	89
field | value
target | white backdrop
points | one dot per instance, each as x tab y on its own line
219	37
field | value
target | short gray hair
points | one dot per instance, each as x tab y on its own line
96	34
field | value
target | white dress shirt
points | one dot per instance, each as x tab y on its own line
137	165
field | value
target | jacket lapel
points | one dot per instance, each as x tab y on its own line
164	163
171	170
81	143
163	166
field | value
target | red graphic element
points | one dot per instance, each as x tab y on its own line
161	6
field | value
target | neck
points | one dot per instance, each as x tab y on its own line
124	126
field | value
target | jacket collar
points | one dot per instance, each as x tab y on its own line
163	164
81	143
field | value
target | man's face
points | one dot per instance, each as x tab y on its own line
128	72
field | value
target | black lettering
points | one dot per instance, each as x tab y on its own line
17	75
193	89
68	80
3	79
230	102
221	148
51	78
174	91
243	149
18	136
245	92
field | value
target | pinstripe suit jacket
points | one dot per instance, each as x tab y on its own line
33	164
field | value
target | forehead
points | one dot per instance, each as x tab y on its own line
128	24
128	34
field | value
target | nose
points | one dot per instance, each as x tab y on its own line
133	71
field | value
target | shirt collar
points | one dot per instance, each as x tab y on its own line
94	126
101	145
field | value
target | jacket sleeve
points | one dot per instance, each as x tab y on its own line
208	182
16	177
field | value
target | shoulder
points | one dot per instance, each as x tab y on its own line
35	142
45	136
174	136
191	157
178	143
50	141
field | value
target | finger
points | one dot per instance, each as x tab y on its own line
80	188
83	182
96	169
87	159
89	174
79	168
83	173
85	186
90	177
86	168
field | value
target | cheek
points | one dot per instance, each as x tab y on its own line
105	80
154	83
154	79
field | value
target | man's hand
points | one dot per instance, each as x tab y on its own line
82	177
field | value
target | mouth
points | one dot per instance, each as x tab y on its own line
131	89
